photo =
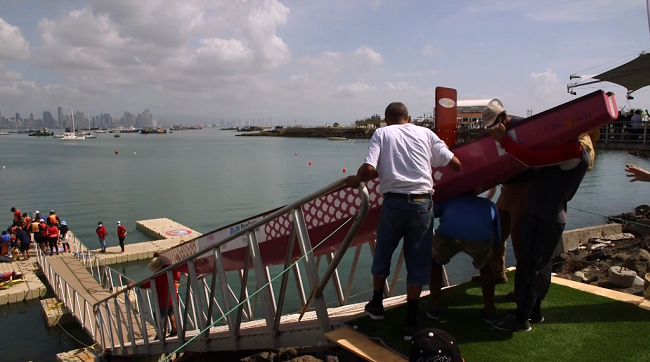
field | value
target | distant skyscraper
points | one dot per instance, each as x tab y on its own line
48	120
17	116
60	119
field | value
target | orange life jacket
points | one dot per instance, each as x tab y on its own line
35	228
52	218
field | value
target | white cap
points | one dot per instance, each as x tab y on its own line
119	223
37	212
491	112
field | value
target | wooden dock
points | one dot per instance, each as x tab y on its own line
170	233
30	288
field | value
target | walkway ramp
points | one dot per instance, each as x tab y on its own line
74	284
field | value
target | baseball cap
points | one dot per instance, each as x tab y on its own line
37	212
432	344
119	223
491	112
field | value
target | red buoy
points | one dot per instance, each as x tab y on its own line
296	153
116	152
309	163
344	170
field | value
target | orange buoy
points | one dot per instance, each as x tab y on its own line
116	152
344	170
309	163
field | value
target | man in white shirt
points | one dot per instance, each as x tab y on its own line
402	155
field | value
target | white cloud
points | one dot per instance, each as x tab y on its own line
557	10
429	51
12	43
128	44
362	58
400	86
422	73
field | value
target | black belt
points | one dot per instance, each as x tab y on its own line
409	197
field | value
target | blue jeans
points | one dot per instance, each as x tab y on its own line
102	242
413	221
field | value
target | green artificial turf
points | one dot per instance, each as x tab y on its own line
579	326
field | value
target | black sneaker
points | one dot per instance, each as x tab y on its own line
431	311
535	318
409	331
489	318
375	312
511	324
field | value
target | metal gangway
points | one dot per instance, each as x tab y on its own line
221	311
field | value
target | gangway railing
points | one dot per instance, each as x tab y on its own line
75	300
210	315
109	278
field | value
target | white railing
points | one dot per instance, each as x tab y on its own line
622	132
74	300
127	319
107	277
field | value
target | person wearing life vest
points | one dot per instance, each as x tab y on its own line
42	228
17	216
37	215
101	234
121	234
53	237
34	230
27	223
53	218
5	244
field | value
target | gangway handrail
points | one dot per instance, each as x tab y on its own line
72	302
191	315
279	212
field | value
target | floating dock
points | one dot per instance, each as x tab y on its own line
169	232
30	288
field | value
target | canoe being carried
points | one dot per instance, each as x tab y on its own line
485	165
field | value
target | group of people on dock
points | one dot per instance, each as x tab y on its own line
531	209
46	231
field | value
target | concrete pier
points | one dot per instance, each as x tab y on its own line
170	233
30	288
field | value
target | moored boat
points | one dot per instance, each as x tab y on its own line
42	133
122	129
151	130
3	133
337	138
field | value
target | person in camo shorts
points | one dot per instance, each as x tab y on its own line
469	224
402	155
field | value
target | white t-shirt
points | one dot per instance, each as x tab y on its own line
403	154
636	121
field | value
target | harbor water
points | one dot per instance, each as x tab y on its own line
205	180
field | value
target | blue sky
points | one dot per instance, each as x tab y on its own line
313	61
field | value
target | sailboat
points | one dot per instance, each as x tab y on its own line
89	135
72	136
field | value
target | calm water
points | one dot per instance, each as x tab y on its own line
207	179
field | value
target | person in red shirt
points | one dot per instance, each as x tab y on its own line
121	234
101	234
53	237
162	290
